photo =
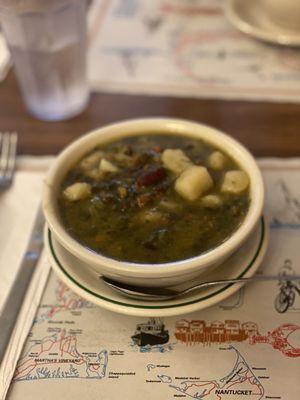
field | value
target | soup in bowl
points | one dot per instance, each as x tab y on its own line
153	201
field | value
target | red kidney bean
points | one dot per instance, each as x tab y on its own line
152	177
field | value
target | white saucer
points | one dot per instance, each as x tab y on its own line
86	283
249	18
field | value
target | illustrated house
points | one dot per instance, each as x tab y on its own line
198	330
197	326
217	331
182	326
182	329
250	329
232	329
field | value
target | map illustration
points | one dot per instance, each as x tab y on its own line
287	214
198	331
160	47
57	357
239	382
66	300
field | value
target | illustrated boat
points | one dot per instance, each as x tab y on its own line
151	333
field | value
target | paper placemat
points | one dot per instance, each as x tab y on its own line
184	48
245	347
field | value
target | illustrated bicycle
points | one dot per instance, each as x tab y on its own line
286	297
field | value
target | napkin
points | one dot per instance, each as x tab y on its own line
18	208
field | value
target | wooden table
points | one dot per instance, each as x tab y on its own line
267	129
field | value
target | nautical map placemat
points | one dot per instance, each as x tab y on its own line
247	347
185	48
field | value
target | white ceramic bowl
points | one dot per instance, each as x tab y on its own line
152	274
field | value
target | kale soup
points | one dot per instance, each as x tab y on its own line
154	199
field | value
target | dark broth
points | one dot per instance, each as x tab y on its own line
133	212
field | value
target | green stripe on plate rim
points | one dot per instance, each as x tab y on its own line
158	307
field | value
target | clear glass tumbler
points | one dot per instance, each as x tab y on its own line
47	40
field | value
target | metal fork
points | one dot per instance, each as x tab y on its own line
8	149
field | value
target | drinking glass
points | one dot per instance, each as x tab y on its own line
47	40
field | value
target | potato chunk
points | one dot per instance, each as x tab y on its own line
211	201
95	174
193	182
91	161
77	191
217	161
107	166
235	182
175	160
